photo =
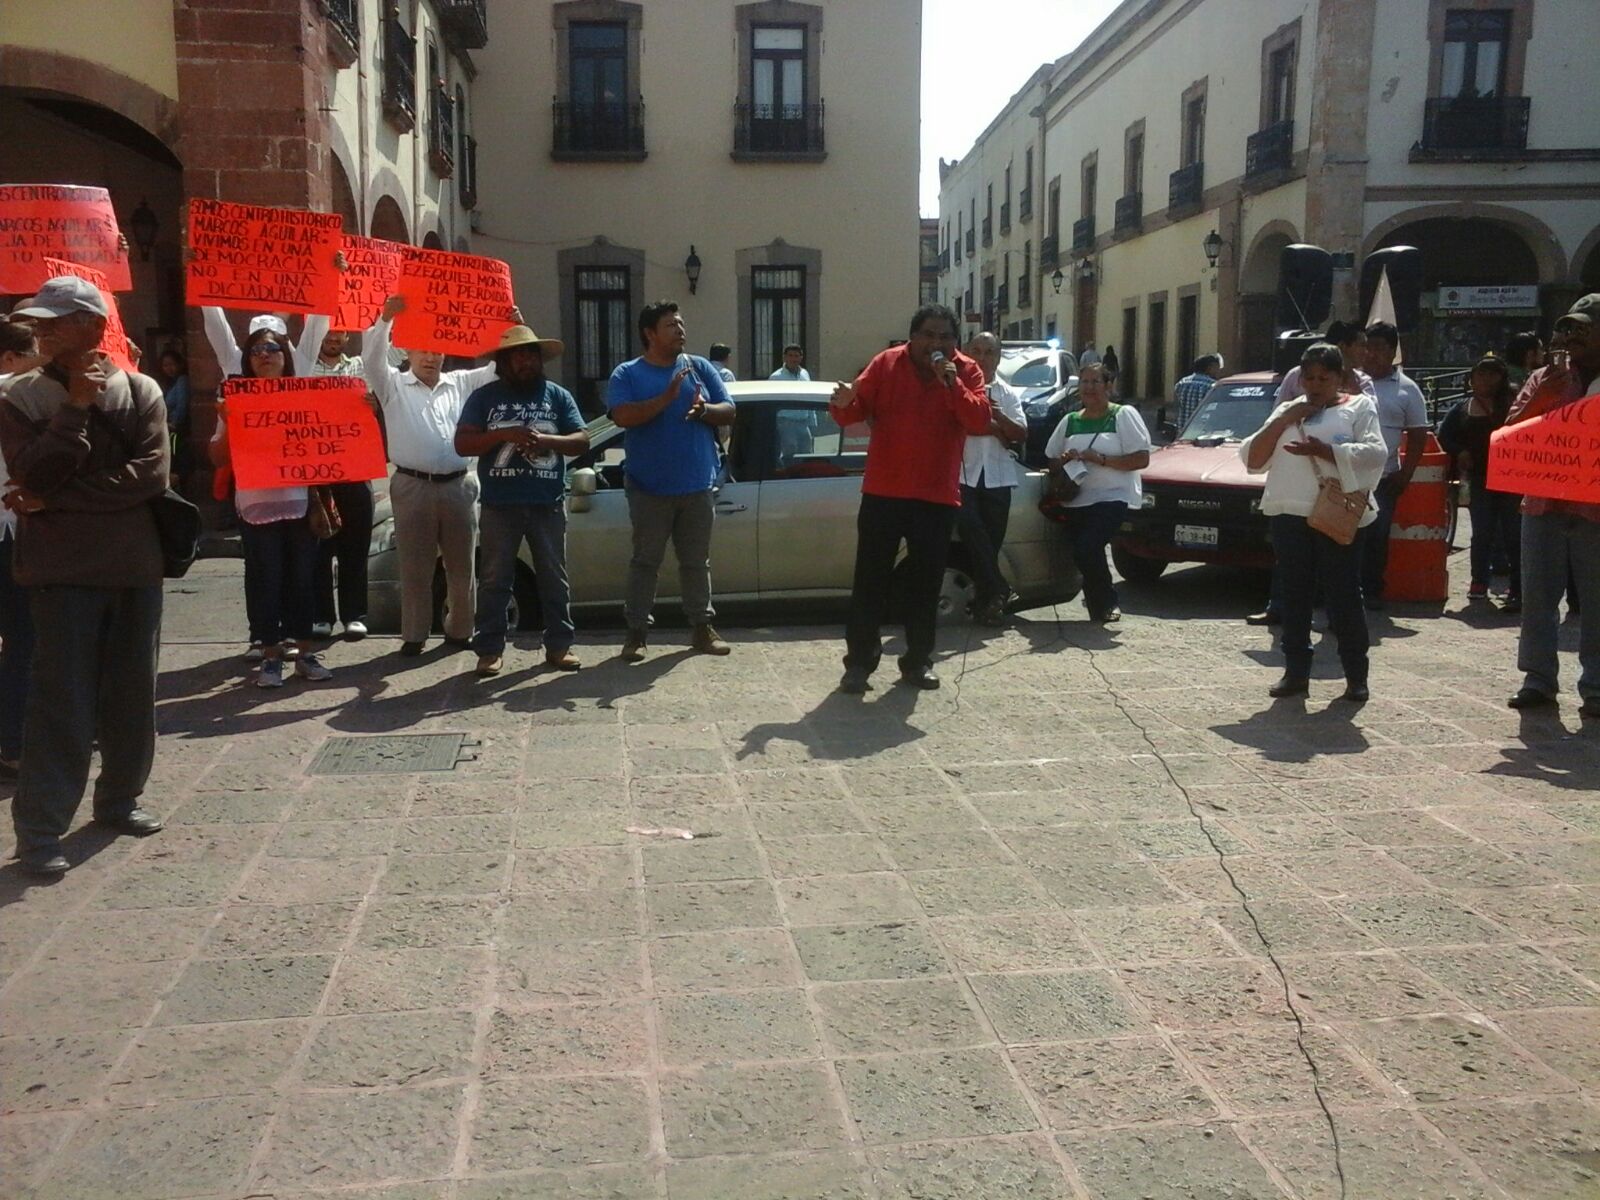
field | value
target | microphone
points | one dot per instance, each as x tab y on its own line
938	360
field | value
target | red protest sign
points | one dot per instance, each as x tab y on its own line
114	342
455	303
1556	456
302	431
248	256
39	221
371	275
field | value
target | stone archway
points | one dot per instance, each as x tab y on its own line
1586	264
344	196
388	221
1258	291
432	241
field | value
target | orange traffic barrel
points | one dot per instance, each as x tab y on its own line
1417	542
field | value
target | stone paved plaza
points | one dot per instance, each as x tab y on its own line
976	944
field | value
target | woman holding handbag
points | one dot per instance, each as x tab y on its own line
1095	457
1323	454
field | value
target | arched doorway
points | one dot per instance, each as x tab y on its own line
1461	258
1258	292
388	222
1589	266
432	241
344	196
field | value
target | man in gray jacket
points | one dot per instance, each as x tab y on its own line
87	449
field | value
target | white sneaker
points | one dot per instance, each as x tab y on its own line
271	674
322	629
309	666
291	650
255	653
355	630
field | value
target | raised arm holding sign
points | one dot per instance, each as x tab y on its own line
295	432
278	259
39	221
455	303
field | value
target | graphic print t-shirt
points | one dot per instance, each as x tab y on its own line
509	475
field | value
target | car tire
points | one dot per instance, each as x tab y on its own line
1136	568
958	593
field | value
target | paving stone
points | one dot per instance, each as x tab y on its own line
736	958
761	787
1333	874
573	868
891	950
331	1138
247	989
1098	884
470	874
567	1039
596	1183
1570	862
703	859
1503	977
170	885
527	976
830	854
1184	1163
534	1121
720	1027
917	1014
561	915
1339	986
332	839
132	935
954	1093
1411	827
1567	1039
28	1141
1419	920
1451	1058
390	1049
752	1109
1039	941
409	924
1110	1083
1206	993
71	997
699	907
835	1176
405	980
1262	1070
921	813
830	899
1261	878
599	826
1469	866
944	850
53	1071
805	818
1541	914
1291	927
232	807
1384	1155
992	1169
975	890
1153	934
192	1061
1541	1150
266	929
1054	1006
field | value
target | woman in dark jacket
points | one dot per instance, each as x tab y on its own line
1465	434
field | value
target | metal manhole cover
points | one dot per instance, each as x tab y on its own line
395	754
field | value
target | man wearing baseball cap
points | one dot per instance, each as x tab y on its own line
87	449
1559	536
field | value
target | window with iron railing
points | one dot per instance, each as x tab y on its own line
988	231
1005	216
1049	254
1475	123
1083	235
1185	186
1269	149
399	75
972	241
1129	213
465	22
1025	203
793	130
590	129
344	31
601	116
441	131
467	172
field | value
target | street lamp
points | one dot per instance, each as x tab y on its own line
143	223
1086	271
1057	280
691	268
1212	245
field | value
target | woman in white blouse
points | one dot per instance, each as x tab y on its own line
1325	432
1103	447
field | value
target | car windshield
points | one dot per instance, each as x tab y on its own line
1027	373
1232	412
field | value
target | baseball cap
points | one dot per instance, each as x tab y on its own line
268	321
61	296
1586	311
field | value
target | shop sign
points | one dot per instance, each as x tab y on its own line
1496	298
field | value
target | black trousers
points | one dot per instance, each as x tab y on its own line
881	525
350	546
1313	565
985	513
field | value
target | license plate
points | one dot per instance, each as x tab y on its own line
1194	535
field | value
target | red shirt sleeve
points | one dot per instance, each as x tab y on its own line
969	398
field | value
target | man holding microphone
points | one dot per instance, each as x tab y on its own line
922	400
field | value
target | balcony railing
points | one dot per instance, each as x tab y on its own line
1475	123
1129	213
467	172
1049	254
399	75
1083	235
972	241
988	231
441	132
1270	149
1025	204
782	131
1005	217
1024	290
1002	298
1186	186
466	23
944	260
344	31
598	131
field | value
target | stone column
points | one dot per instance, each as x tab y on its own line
1336	167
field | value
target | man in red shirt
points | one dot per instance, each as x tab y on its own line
921	399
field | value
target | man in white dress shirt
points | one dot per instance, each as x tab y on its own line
988	475
435	491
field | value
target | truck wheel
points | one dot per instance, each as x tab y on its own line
1135	568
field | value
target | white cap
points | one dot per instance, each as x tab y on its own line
61	296
268	321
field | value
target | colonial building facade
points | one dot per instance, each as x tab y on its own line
1447	125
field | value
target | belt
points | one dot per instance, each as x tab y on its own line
445	478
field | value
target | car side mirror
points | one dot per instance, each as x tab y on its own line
1169	431
583	483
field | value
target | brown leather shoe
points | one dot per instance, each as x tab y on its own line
488	664
564	660
708	641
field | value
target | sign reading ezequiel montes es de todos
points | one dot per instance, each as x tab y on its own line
1556	456
302	431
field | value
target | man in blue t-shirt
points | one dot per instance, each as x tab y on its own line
520	426
670	403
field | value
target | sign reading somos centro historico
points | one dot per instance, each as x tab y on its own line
114	341
276	259
455	303
72	223
302	431
1556	455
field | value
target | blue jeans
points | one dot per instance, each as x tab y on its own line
16	652
1311	564
501	529
280	559
1495	519
1554	544
1091	529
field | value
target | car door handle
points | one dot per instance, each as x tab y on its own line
728	506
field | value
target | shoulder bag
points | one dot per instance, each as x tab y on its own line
1336	513
323	513
177	520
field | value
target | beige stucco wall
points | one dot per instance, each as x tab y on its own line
131	37
859	207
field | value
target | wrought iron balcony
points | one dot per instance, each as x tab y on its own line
441	132
1005	216
988	231
1025	204
467	172
399	75
944	260
787	131
603	131
972	241
344	31
1475	123
1270	149
1083	235
1002	298
1129	213
1049	254
1186	186
466	23
1024	290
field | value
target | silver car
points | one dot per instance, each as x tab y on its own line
786	521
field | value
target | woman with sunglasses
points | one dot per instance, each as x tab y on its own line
280	551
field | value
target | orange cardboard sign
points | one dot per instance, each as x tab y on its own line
39	221
1556	456
272	259
114	342
301	432
455	303
371	275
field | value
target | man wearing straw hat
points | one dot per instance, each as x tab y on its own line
520	426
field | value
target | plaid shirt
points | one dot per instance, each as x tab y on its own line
1187	395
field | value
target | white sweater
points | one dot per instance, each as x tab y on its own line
1351	427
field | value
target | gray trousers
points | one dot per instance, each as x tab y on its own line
1553	544
686	520
94	680
501	529
434	520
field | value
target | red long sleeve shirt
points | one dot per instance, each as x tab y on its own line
919	427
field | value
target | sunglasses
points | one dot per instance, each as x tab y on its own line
265	350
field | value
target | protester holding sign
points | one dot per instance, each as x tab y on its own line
280	551
1560	534
350	546
39	222
86	447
